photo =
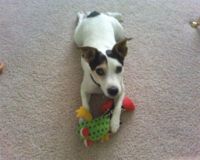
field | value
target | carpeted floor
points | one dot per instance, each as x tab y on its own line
39	88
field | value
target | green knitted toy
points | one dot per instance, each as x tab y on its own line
92	130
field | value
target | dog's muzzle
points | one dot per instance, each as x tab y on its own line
112	91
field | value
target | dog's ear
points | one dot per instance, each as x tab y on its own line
120	47
88	53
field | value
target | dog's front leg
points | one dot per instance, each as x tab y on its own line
85	94
85	97
115	120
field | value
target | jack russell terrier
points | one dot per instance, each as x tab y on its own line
102	42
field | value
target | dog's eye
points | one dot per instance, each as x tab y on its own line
100	71
118	69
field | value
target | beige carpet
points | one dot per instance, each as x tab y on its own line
39	89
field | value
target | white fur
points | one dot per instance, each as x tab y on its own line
101	32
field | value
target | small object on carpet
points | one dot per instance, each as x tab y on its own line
1	67
195	24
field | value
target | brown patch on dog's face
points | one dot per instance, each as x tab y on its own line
93	57
100	71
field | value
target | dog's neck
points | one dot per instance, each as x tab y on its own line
94	81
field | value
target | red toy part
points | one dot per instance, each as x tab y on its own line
84	132
128	104
88	142
107	105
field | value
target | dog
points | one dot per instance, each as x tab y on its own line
100	37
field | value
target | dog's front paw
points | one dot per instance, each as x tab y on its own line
114	125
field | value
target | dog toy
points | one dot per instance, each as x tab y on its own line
127	105
1	67
92	130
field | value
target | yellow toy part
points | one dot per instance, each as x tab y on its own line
105	138
83	113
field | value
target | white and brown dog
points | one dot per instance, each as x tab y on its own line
103	44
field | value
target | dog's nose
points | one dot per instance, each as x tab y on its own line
112	91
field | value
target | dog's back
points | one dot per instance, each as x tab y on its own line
95	30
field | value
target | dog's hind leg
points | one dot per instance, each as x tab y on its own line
80	16
116	15
77	33
118	30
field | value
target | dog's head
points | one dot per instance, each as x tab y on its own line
107	68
